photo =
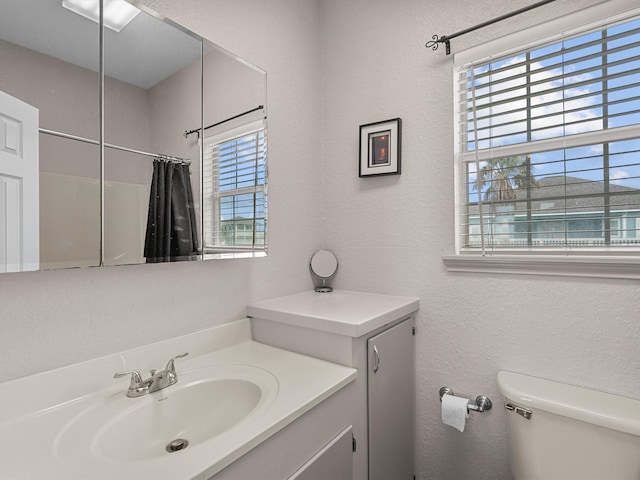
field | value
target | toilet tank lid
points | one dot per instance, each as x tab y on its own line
591	406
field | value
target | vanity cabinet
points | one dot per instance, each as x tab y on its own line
372	333
390	394
316	446
334	461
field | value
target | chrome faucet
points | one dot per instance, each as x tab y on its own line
157	381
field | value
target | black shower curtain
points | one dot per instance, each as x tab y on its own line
171	224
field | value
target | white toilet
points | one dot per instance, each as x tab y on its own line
563	432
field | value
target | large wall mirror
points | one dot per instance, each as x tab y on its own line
88	139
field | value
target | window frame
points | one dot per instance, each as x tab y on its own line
211	193
602	263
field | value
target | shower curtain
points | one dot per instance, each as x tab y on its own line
171	224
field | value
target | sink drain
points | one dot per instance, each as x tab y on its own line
177	445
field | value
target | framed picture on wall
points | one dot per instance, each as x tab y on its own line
380	148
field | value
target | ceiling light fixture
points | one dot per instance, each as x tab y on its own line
117	13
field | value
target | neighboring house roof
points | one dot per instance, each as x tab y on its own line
581	195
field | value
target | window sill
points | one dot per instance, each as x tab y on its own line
550	265
234	254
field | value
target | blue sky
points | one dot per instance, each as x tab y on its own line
566	94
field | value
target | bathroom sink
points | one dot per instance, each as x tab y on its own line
193	413
232	395
205	403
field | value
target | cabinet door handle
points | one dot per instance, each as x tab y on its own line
376	359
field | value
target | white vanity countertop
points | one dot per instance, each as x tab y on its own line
41	414
342	312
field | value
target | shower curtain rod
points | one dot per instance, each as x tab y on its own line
197	130
116	147
446	39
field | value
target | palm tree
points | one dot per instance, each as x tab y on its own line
504	176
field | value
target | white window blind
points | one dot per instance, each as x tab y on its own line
549	146
235	190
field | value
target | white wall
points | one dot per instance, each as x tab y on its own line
389	233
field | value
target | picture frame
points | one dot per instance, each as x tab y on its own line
380	148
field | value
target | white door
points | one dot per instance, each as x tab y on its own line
19	186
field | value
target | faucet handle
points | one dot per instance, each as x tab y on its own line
170	364
136	378
137	387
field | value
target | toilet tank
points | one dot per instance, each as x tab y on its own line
564	432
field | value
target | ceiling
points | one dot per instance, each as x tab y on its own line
143	53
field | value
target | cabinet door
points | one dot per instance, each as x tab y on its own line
334	461
391	403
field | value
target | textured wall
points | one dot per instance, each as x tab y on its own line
389	233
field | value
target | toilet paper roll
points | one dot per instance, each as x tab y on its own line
454	411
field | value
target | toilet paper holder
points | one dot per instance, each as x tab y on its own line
482	404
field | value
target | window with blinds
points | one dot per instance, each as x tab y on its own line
549	146
235	190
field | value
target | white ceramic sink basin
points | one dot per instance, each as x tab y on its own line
186	416
204	403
